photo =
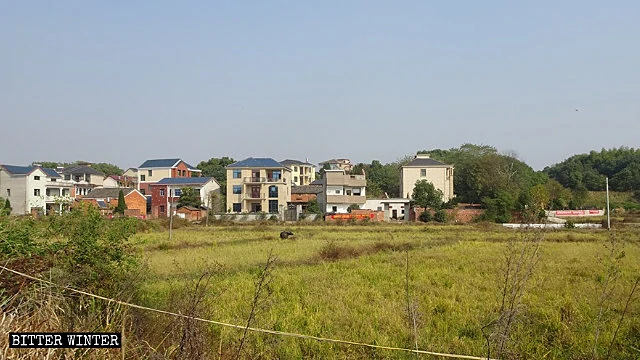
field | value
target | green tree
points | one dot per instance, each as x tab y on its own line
426	195
425	216
440	216
313	207
189	197
215	168
122	205
108	169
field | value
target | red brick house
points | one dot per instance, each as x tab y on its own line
166	193
106	199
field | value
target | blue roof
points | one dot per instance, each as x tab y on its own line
19	170
256	163
51	173
184	181
164	163
159	163
25	170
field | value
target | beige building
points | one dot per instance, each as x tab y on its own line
424	168
302	173
340	190
337	164
258	185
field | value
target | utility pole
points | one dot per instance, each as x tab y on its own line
170	213
608	210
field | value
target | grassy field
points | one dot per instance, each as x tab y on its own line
350	282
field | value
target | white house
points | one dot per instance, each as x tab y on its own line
394	208
33	189
340	190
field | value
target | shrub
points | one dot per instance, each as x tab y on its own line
426	216
440	216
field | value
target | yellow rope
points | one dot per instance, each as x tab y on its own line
266	331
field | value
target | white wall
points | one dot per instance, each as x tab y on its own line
34	201
342	208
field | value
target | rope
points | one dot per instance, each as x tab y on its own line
266	331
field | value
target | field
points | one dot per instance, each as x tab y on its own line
362	283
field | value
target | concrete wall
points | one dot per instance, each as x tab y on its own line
440	177
16	185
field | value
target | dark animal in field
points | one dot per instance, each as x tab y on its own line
285	234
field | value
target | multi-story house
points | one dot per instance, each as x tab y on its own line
302	173
337	164
34	189
422	167
258	185
152	171
84	178
340	190
165	194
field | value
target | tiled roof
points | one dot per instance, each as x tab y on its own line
82	169
25	170
107	193
317	182
184	181
256	163
19	170
425	162
306	189
51	173
159	163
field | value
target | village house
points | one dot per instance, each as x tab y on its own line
165	194
84	179
422	167
337	164
34	189
152	171
257	185
302	195
106	199
302	173
340	190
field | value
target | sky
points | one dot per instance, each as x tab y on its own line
124	81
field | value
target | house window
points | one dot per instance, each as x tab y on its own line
348	192
237	189
237	174
36	177
357	192
184	172
142	178
295	179
142	191
334	209
161	192
161	209
237	207
36	192
423	172
276	175
338	192
295	168
273	206
67	176
54	180
150	173
273	192
8	192
177	192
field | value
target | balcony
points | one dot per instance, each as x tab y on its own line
57	199
261	180
253	196
346	199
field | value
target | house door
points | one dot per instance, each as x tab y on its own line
255	175
394	214
256	207
255	192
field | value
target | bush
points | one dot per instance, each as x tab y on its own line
426	216
440	216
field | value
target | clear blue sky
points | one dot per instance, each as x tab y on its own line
125	81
